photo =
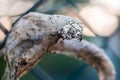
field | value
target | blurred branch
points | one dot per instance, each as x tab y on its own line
88	53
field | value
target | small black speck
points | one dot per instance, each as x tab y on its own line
22	63
39	29
43	49
27	35
32	29
50	18
58	16
49	38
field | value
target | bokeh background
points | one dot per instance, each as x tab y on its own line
101	17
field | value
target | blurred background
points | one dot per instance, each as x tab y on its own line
102	21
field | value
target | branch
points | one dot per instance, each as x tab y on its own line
30	38
35	34
88	53
25	57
